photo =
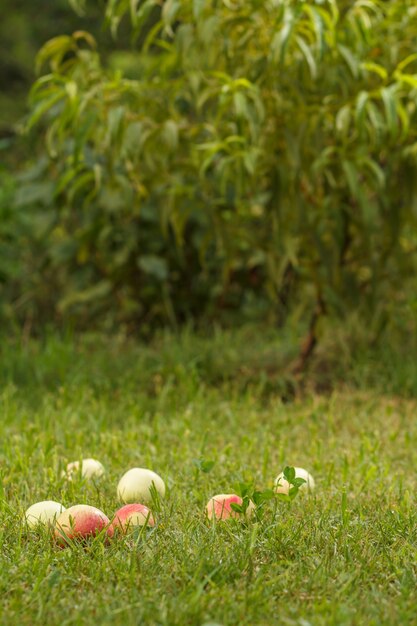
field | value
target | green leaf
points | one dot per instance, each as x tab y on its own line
170	134
343	120
169	11
317	18
298	482
97	292
204	465
350	59
244	489
282	37
405	62
241	104
198	8
259	497
289	473
43	107
115	125
376	171
154	266
390	105
32	193
78	6
54	51
360	110
308	55
352	177
375	68
407	79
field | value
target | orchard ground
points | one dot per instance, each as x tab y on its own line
345	555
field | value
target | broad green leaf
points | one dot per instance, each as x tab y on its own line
289	473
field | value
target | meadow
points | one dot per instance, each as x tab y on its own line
219	200
345	554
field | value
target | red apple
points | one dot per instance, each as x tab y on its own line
132	515
220	508
81	522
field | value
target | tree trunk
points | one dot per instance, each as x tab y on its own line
310	341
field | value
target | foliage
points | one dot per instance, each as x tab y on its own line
24	27
20	245
244	152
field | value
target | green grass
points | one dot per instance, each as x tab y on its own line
346	555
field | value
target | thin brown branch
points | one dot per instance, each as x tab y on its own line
310	341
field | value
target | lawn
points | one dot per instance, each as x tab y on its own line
344	555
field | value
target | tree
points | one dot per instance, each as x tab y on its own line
275	137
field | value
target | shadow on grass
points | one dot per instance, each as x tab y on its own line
247	359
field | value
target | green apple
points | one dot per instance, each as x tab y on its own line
90	468
43	513
136	485
283	486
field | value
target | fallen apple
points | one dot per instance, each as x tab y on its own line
219	507
137	483
90	468
81	522
283	486
43	513
132	515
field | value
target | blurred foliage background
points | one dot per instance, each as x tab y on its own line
209	161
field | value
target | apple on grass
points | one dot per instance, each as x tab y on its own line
131	516
219	507
137	484
89	468
81	522
43	513
283	486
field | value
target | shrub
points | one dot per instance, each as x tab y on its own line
243	154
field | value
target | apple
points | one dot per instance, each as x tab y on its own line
283	486
81	522
44	513
219	507
90	468
137	483
132	515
